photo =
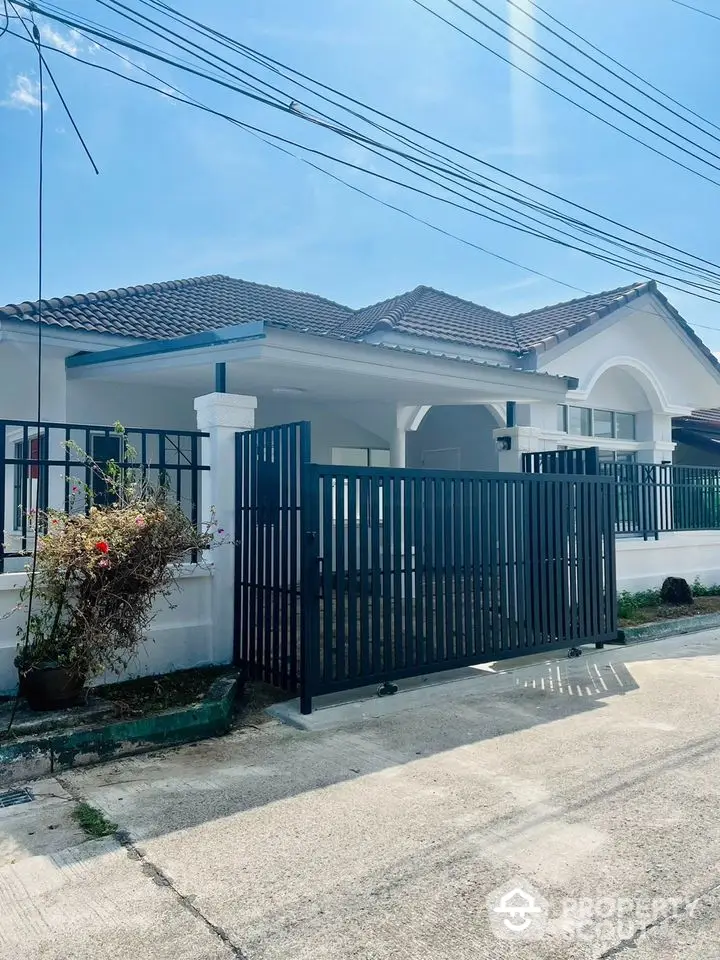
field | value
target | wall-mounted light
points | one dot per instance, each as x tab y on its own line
503	443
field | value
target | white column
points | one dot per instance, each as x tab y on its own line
654	432
513	442
397	448
222	415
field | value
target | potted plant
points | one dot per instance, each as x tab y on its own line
96	577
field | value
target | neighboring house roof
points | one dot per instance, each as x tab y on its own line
166	310
702	420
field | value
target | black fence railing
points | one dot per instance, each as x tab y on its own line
661	498
48	467
650	498
580	462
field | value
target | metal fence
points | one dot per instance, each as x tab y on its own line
650	498
353	576
47	465
661	498
580	462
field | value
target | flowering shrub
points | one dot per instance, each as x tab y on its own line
98	575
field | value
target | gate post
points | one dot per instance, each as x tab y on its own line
222	415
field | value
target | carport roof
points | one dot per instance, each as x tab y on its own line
179	308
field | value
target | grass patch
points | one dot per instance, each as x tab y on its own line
153	694
636	609
93	821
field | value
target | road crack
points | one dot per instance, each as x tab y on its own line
160	878
685	908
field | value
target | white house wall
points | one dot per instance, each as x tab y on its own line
134	405
643	565
180	637
18	381
328	428
616	390
642	332
455	438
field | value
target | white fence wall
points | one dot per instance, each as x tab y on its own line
643	565
180	637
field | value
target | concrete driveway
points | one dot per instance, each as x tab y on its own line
590	787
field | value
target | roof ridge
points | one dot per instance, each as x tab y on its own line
31	308
650	284
471	303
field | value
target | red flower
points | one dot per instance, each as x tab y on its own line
102	546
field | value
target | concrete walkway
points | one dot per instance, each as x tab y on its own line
592	785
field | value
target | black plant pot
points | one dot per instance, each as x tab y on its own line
51	687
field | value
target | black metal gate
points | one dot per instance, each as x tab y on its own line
268	554
580	461
353	576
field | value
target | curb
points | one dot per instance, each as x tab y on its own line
37	756
671	628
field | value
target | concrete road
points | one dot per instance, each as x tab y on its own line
586	792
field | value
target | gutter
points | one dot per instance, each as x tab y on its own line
238	333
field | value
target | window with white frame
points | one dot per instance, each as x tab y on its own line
592	422
359	457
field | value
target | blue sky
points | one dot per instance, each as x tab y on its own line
184	194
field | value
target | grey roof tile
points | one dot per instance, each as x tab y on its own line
165	310
426	312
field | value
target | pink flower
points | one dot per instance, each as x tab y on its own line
221	531
104	562
140	521
75	489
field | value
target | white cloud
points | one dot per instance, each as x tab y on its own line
24	94
69	43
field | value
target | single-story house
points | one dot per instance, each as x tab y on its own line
423	379
420	379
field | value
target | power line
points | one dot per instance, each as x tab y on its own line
689	6
612	72
34	36
613	259
348	164
564	96
58	91
604	255
270	63
585	76
324	171
624	67
131	15
365	141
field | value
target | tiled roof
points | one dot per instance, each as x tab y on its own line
702	419
165	310
160	311
425	312
540	329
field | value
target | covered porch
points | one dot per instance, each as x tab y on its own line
369	405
